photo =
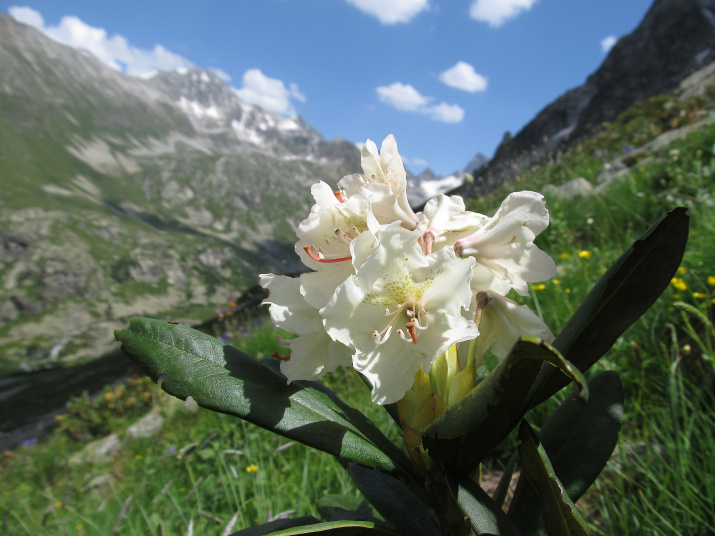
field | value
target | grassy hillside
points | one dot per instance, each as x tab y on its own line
211	474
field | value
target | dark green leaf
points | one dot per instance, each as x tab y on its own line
345	508
221	378
394	501
277	525
333	528
579	440
560	515
501	395
484	417
626	291
485	516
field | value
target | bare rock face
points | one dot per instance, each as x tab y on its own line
674	39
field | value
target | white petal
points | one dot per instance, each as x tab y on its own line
503	322
504	245
318	287
288	308
313	355
323	194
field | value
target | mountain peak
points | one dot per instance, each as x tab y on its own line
674	39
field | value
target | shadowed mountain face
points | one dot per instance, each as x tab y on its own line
675	38
125	196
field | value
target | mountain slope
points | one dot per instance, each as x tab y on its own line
124	196
674	39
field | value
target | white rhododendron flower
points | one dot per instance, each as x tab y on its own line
445	220
312	353
326	235
384	182
392	290
400	311
504	246
503	322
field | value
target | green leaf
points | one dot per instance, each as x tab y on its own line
500	396
485	416
626	291
277	525
223	379
333	528
560	515
345	508
579	440
485	515
394	501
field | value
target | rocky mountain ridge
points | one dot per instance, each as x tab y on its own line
125	196
674	39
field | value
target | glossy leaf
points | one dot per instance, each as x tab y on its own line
626	291
223	379
394	501
485	516
560	515
579	440
332	528
277	525
464	434
345	508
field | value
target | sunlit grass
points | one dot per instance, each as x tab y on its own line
204	469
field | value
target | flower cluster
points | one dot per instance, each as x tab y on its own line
391	290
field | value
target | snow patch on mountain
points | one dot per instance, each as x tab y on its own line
200	111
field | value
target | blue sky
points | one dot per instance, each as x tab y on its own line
447	77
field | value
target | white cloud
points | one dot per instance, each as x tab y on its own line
27	15
608	42
463	76
497	12
114	51
446	113
417	162
270	94
406	98
402	97
391	11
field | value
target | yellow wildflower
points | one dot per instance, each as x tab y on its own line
700	295
564	255
678	283
252	468
682	270
711	280
584	253
540	286
556	281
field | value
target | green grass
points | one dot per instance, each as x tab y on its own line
660	481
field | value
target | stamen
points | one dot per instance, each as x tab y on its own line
402	336
428	240
483	299
313	256
379	337
420	326
281	357
343	237
340	195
